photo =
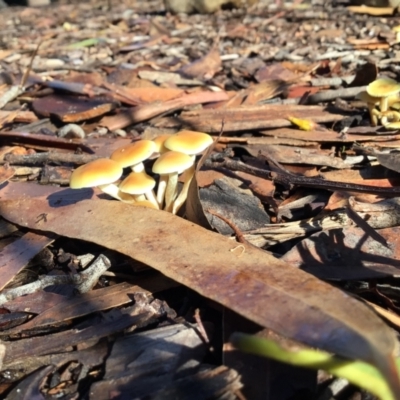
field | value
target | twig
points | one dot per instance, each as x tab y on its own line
238	233
83	281
44	158
200	326
328	95
16	90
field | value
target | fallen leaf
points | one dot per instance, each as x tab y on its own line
204	68
365	74
275	72
264	91
300	91
155	93
249	281
303	124
70	108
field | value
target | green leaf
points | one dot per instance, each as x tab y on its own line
357	372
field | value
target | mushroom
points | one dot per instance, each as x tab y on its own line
383	88
371	103
133	155
102	173
159	141
141	186
191	143
393	125
169	165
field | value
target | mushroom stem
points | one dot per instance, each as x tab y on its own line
384	108
184	191
170	191
112	190
373	114
150	196
137	167
139	197
162	185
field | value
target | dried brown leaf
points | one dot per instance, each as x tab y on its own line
246	280
204	68
155	93
71	109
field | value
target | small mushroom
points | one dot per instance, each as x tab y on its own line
383	88
190	143
102	173
133	155
169	165
393	125
159	141
141	186
371	103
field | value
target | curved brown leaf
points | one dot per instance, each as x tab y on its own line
241	277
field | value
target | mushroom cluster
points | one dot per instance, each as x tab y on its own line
384	93
176	155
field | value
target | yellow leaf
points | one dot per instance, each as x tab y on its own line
303	124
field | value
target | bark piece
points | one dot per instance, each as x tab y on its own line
162	363
72	108
254	117
17	255
42	345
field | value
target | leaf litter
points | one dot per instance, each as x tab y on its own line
160	74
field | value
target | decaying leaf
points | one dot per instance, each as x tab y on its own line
204	68
242	278
242	209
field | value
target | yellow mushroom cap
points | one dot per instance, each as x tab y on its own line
134	153
172	162
365	97
383	87
137	183
95	173
189	142
160	140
